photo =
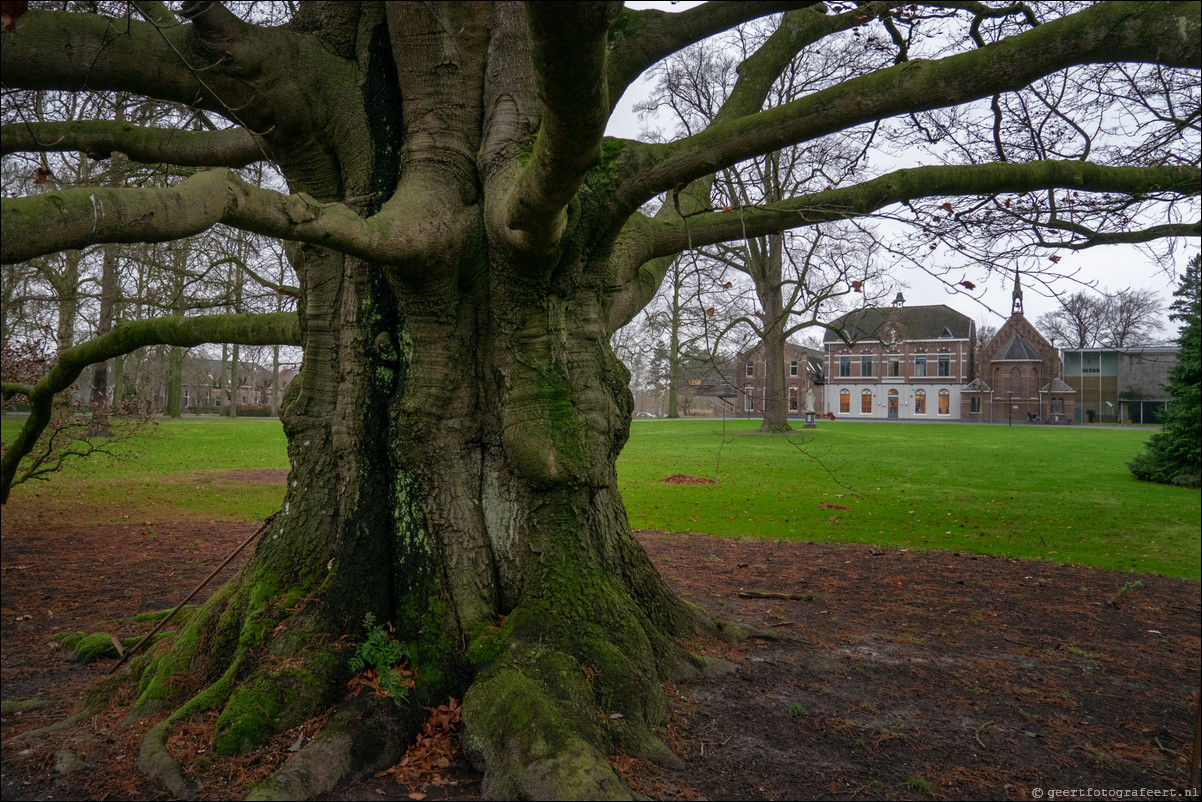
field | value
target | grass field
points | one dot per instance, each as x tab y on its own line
1054	493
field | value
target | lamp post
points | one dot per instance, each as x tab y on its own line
1009	408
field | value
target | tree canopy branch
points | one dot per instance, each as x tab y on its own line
568	50
1163	33
909	184
98	139
638	39
73	51
75	218
279	328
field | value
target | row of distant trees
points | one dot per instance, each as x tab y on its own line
52	303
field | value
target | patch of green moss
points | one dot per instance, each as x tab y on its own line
264	705
246	720
485	643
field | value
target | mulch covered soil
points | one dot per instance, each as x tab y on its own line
873	674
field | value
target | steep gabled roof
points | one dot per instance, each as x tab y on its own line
1057	386
1017	349
910	323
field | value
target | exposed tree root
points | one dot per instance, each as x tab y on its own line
365	735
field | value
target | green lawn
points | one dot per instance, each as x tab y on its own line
172	468
1053	493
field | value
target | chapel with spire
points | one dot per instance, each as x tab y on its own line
1018	374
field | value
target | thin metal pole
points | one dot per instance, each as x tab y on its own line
205	581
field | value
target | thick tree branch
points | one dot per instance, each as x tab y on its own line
757	74
280	328
639	39
1149	234
568	50
70	51
1163	33
98	139
909	184
75	218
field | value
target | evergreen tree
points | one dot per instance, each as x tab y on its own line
1174	454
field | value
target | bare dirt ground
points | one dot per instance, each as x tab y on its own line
873	674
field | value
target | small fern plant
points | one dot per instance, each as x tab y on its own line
382	658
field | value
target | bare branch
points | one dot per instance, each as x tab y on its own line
638	39
55	221
568	44
861	199
270	329
98	139
1155	32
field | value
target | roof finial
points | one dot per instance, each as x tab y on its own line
1016	306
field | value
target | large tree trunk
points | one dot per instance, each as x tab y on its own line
452	457
766	272
452	439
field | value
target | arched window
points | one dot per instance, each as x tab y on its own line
920	402
974	403
1058	405
945	402
845	400
866	402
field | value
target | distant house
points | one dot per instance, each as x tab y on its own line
1018	375
898	362
1119	385
803	373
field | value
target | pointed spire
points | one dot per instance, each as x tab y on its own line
1016	305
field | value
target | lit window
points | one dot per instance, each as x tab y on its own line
792	368
866	402
920	366
945	402
865	366
845	401
844	366
920	402
793	397
945	365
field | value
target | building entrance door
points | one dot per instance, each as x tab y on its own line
893	403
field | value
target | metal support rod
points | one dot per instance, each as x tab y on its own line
205	581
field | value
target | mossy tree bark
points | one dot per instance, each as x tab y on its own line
465	243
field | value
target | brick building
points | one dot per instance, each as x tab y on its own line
803	373
1018	375
899	362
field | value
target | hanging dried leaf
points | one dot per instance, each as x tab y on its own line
709	312
41	175
857	286
9	11
1054	258
968	285
947	207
